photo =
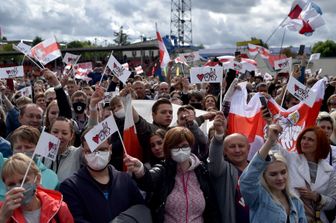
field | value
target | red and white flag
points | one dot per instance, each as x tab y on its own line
82	70
138	69
246	118
101	132
130	138
70	58
46	51
296	9
164	56
254	50
47	146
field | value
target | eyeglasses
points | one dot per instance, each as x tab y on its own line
185	148
103	149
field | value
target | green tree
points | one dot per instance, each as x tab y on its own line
121	37
326	48
36	40
288	52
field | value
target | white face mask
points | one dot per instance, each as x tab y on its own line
181	155
120	113
97	160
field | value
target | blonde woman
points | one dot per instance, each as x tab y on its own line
264	185
29	203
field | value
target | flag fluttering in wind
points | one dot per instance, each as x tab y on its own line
246	118
46	51
164	56
255	50
304	17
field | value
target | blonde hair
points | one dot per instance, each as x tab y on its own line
277	157
17	165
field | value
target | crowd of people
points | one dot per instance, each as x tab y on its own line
184	173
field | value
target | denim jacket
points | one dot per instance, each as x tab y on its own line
263	208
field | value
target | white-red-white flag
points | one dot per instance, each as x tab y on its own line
47	146
246	118
181	60
255	50
164	55
46	51
101	132
138	69
82	70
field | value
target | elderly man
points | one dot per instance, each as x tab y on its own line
227	160
140	90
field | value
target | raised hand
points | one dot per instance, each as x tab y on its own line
134	166
97	96
50	77
220	123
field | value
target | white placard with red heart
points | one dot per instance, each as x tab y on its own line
11	72
206	74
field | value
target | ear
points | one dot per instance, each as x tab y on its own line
38	179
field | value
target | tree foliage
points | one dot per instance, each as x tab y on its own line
121	38
36	40
326	48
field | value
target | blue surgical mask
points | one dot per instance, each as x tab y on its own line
30	189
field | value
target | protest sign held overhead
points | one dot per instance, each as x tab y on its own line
206	74
190	57
101	132
70	58
283	65
118	70
300	91
46	51
11	72
26	91
47	146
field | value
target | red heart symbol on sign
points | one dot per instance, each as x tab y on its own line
8	71
296	87
96	138
200	76
51	145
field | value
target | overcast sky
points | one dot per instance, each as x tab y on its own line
215	23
